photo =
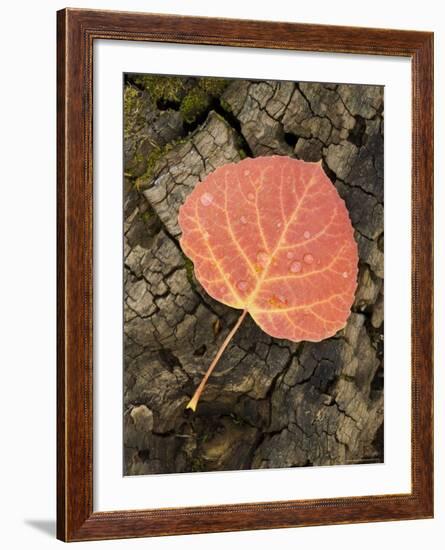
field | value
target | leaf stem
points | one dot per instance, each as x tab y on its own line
193	403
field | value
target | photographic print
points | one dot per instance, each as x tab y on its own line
253	274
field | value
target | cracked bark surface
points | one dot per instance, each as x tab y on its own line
269	403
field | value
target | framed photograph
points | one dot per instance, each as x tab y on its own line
245	229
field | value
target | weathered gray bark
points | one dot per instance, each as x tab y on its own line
270	403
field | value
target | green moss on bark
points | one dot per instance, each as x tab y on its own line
195	103
165	88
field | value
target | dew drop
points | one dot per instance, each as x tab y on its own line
345	274
295	267
278	224
223	289
308	258
290	255
306	234
206	199
243	220
246	172
242	285
250	196
262	258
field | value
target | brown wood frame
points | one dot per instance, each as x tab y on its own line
77	30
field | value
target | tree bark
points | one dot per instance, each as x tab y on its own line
269	403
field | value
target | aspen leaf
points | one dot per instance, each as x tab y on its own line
272	237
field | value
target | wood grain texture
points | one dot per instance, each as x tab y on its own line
77	30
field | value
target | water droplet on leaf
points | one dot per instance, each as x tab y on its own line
243	220
242	285
250	196
295	267
308	259
206	199
290	255
306	234
262	258
345	274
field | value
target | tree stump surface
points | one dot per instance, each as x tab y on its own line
270	403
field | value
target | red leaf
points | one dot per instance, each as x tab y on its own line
271	236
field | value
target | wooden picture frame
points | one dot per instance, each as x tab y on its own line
77	31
